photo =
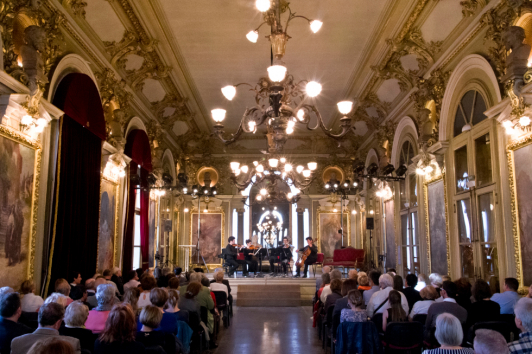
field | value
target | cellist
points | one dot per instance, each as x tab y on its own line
311	259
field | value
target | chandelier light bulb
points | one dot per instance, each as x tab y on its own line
291	124
244	193
273	163
186	210
524	121
218	115
289	130
306	173
259	168
289	195
287	167
354	212
313	89
121	173
263	191
263	5
252	126
277	73
335	210
420	171
26	120
244	169
355	184
345	107
301	114
229	92
296	191
266	172
252	36
371	212
39	128
234	165
507	124
429	169
259	197
312	166
300	168
237	172
315	25
283	160
255	163
327	186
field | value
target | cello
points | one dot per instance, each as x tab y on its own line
303	257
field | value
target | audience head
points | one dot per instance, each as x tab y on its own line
392	270
10	306
131	297
53	345
489	342
151	316
107	274
354	297
523	314
449	289
51	315
348	285
193	290
157	273
120	325
411	280
385	281
105	295
147	282
196	276
394	298
396	308
5	290
75	277
436	280
398	283
325	279
89	284
481	290
81	294
99	281
445	278
76	314
178	271
336	285
173	299
27	287
205	282
117	271
428	293
374	276
448	330
353	274
219	276
463	287
139	271
158	297
361	274
325	269
131	275
336	274
62	287
511	284
363	280
58	299
422	278
173	283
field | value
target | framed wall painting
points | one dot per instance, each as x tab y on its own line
436	226
328	238
20	165
108	225
211	235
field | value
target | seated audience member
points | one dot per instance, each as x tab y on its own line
324	270
449	334
204	296
58	299
131	298
10	311
75	317
162	280
188	302
150	318
392	272
147	282
363	282
421	281
105	294
436	281
174	283
483	309
448	305
325	281
107	274
30	302
353	274
336	293
398	283
379	301
54	345
428	295
132	280
395	311
489	342
50	319
178	271
523	321
412	295
75	280
171	308
62	287
6	289
374	284
218	285
118	336
159	298
355	312
347	286
116	277
139	271
463	297
90	285
509	297
335	274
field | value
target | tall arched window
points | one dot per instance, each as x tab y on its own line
474	188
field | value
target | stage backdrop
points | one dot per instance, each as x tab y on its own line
211	237
328	237
108	224
19	176
437	227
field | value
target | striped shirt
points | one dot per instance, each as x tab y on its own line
523	345
450	351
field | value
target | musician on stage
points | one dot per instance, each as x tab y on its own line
231	257
248	253
311	259
285	252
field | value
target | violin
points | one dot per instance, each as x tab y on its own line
254	248
303	257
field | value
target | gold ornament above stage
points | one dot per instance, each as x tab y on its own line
207	174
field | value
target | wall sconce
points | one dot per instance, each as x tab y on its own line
512	125
186	210
28	122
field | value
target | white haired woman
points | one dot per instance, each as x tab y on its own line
57	298
449	334
75	317
218	285
105	295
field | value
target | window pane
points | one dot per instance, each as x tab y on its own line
136	257
460	161
463	210
417	267
404	231
402	188
467	104
466	254
412	184
136	239
407	262
459	122
483	160
137	199
490	264
486	218
480	107
414	230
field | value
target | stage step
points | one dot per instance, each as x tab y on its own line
272	295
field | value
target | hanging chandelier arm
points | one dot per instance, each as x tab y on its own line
257	29
346	124
219	131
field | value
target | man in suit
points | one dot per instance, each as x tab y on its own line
10	312
75	292
50	319
449	305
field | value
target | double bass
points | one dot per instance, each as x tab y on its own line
303	257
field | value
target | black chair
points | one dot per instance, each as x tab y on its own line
510	321
497	326
198	333
221	305
420	318
29	319
327	327
357	337
377	319
404	337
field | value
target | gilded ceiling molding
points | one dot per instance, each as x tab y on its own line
469	7
76	6
114	96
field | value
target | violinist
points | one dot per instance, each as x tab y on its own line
250	261
311	258
285	254
231	257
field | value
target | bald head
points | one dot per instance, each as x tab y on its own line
99	282
326	269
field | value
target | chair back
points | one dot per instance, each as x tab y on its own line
404	336
377	320
357	337
194	321
321	257
221	298
329	315
497	326
510	321
421	318
29	319
204	314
